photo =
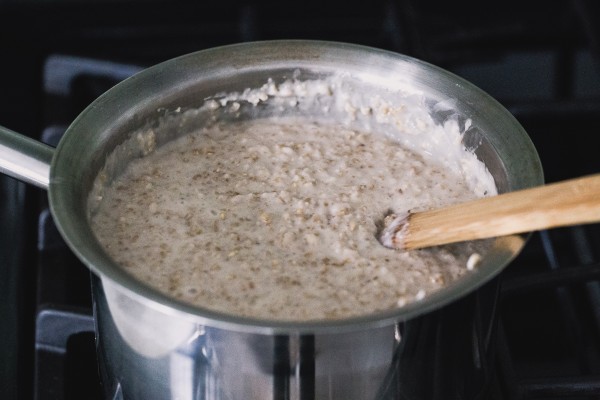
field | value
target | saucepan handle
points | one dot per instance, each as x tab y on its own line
24	158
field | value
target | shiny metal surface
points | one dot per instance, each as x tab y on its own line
155	347
25	159
447	353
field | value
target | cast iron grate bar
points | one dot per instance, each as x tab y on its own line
56	337
508	385
551	279
573	309
560	387
577	336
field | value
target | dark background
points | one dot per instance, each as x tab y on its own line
538	58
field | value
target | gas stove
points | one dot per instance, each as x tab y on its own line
540	60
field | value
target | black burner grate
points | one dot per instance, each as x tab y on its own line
549	335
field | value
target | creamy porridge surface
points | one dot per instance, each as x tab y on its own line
278	220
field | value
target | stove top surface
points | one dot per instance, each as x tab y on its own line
540	60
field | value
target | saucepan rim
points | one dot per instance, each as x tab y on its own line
129	99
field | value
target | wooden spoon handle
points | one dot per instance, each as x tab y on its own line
570	202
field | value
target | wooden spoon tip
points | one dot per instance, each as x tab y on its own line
395	227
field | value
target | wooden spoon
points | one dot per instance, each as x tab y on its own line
571	202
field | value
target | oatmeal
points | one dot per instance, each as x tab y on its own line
278	219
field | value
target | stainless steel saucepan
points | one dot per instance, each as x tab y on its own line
151	346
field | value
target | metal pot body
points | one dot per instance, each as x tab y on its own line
152	346
148	354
